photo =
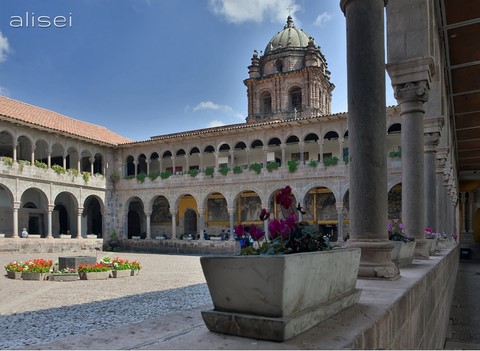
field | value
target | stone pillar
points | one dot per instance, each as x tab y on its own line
187	163
79	223
232	159
125	219
340	154
14	150
367	125
135	163
284	155
231	214
16	207
148	167
173	212
470	213
200	156
65	161
411	80
302	149
49	221
462	209
320	147
148	215
174	166
430	198
32	155
92	160
201	222
265	151
441	158
339	208
247	151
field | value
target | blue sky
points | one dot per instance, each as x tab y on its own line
149	67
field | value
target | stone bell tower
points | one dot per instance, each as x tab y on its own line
290	80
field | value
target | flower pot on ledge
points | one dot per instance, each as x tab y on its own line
402	253
275	297
121	273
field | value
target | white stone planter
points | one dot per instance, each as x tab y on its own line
91	236
402	253
432	246
278	297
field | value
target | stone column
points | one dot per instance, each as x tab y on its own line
92	160
367	125
265	151
339	208
201	222
340	155
187	163
148	215
49	221
79	223
200	156
411	80
231	214
49	157
148	167
302	149
283	147
320	148
247	150
32	155
232	159
462	209
174	166
470	213
14	150
135	164
16	207
65	160
430	198
173	212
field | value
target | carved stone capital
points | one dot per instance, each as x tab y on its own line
430	142
411	91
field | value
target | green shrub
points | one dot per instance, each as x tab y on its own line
115	177
224	170
153	175
257	167
394	153
237	169
193	172
73	172
209	171
313	163
165	175
41	164
292	166
272	165
8	161
86	177
59	169
330	161
141	177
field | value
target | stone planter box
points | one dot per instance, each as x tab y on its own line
94	275
65	236
432	246
278	297
14	275
91	236
34	236
63	277
122	273
402	253
33	276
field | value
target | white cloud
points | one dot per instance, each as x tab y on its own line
238	11
215	123
209	105
4	47
322	19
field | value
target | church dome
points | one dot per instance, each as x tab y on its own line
289	37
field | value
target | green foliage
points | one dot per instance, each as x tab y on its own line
8	161
165	175
115	177
141	177
59	169
256	167
346	159
224	170
131	176
330	161
313	163
237	169
292	166
73	172
153	175
209	171
86	177
41	164
272	165
397	153
193	172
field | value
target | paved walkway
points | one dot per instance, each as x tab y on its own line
465	312
151	310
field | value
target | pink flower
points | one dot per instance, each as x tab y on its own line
239	230
264	215
256	233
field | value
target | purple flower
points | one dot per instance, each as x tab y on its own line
256	233
264	215
239	230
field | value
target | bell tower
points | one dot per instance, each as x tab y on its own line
290	80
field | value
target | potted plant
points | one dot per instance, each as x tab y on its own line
14	269
256	167
122	267
404	246
432	240
292	166
223	170
97	271
36	269
287	282
272	165
63	275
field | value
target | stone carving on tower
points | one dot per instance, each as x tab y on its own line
290	80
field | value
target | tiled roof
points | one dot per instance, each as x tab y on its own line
37	116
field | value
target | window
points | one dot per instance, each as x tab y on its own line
266	103
296	99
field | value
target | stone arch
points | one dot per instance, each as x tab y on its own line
72	158
85	162
216	212
248	205
24	148
34	216
194	160
265	102
142	164
395	202
154	162
58	152
93	209
130	166
160	218
98	163
135	217
184	203
6	144
64	215
6	211
41	151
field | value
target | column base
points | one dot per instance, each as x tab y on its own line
375	260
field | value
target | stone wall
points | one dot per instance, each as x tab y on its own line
42	245
418	315
184	247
